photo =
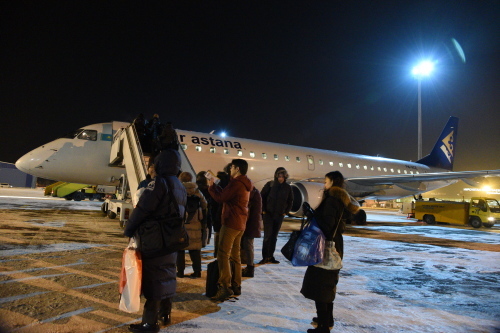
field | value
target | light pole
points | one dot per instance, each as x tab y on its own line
423	69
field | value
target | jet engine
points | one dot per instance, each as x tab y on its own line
305	191
312	193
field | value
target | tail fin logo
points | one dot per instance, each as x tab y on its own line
447	146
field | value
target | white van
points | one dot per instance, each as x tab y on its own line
5	185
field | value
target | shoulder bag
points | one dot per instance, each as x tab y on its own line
331	258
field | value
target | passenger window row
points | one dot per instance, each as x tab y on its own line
310	160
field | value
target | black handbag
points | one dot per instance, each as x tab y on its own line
162	235
288	249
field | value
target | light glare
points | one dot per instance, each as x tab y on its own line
424	68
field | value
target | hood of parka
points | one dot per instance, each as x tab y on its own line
168	163
245	181
349	202
282	171
190	187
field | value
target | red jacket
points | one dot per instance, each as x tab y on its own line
234	198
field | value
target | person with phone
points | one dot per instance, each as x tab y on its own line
234	198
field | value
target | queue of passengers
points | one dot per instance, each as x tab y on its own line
236	212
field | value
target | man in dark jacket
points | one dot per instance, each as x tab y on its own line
234	198
158	273
277	200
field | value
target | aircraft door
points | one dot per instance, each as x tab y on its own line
310	162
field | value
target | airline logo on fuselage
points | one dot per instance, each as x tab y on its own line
210	142
448	145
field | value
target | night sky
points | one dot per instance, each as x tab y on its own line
326	74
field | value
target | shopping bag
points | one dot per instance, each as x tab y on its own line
130	278
289	248
309	249
331	258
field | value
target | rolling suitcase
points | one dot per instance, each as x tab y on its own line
212	279
211	286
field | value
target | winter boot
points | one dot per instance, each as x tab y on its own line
144	327
222	294
195	275
330	322
236	290
165	311
248	271
319	329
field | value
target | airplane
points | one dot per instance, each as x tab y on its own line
83	156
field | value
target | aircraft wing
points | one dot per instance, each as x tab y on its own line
423	177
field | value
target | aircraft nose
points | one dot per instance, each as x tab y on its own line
25	163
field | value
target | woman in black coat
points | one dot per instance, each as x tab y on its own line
158	272
320	284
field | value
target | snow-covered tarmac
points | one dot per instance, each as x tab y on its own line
385	286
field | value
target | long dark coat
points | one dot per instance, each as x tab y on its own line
159	274
254	222
194	227
320	284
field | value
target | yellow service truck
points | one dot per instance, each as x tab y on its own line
476	212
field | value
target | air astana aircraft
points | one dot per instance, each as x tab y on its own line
84	157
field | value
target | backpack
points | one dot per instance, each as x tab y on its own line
193	205
164	234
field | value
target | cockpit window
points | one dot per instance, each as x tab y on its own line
88	135
72	135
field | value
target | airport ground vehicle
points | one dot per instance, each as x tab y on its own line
477	212
78	192
5	185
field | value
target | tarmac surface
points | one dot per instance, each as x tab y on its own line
387	285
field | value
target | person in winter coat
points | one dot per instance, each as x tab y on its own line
217	208
140	128
158	273
234	198
319	284
202	183
153	130
277	200
194	226
253	230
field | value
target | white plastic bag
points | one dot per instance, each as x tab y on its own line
130	278
331	258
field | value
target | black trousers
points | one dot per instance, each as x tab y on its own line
272	226
154	309
195	256
325	313
246	250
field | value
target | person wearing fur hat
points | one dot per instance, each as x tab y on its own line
196	208
320	285
277	200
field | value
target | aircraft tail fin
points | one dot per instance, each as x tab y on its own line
443	153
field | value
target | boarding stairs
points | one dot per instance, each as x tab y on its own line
126	153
